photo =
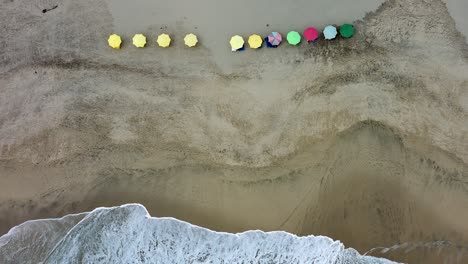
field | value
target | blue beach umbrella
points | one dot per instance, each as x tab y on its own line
330	32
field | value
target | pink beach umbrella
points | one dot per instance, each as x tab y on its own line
311	34
275	38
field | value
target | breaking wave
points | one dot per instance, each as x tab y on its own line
128	234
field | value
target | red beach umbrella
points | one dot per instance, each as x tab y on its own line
311	34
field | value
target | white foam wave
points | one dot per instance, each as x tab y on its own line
128	234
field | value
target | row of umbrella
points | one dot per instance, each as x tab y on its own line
139	40
237	42
274	39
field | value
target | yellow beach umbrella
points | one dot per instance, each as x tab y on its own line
255	41
114	41
164	40
139	40
236	42
191	40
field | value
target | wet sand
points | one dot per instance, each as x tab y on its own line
457	9
217	22
362	140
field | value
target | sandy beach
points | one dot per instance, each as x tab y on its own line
364	140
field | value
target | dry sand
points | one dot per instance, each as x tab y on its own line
363	140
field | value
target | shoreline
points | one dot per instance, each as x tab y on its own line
362	140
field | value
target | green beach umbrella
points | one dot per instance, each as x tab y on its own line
347	30
293	37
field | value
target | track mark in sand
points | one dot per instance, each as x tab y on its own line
45	10
458	251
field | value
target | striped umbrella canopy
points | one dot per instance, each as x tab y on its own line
275	38
311	34
330	32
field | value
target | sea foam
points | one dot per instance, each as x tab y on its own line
128	234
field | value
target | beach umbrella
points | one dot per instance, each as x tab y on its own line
139	40
311	34
267	43
330	32
347	30
191	40
275	38
164	40
255	41
114	41
237	42
293	38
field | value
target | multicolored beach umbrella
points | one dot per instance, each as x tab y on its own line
330	32
191	40
311	34
164	40
139	40
293	38
255	41
237	42
346	30
275	38
114	41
